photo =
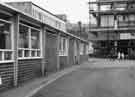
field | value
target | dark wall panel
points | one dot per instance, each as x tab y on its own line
6	72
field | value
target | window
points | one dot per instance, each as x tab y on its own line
23	36
35	42
29	42
120	6
6	52
105	7
131	6
107	21
63	47
132	17
126	20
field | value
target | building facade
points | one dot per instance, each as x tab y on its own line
114	30
34	42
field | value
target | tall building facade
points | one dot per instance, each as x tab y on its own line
114	28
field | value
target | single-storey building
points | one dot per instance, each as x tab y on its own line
34	41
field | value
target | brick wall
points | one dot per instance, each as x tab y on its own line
6	72
28	69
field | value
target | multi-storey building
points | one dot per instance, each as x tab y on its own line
115	27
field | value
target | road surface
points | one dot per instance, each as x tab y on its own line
94	82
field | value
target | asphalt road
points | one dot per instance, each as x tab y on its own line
93	82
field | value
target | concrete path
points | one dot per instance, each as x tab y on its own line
74	81
33	86
94	82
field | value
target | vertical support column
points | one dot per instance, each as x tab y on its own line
129	49
78	51
85	49
58	57
98	17
115	47
68	39
43	50
75	51
15	47
30	46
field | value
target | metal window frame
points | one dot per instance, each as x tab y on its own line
30	49
12	44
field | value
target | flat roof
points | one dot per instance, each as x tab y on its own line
36	6
15	11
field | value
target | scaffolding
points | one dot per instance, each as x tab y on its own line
115	22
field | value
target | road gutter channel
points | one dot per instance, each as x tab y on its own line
62	73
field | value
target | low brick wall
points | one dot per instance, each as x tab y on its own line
6	72
28	69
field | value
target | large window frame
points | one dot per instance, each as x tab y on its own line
7	55
107	21
29	52
63	46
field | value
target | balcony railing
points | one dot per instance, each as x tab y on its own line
6	55
120	24
29	53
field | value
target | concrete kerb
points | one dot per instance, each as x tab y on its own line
52	78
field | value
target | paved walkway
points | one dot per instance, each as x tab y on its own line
94	82
33	86
36	84
107	63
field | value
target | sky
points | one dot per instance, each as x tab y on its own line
76	10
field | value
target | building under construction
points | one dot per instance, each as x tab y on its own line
114	29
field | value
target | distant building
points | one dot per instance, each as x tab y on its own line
115	27
62	16
78	29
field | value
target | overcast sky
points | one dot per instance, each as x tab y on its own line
76	10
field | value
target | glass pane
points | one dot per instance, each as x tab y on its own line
0	55
23	36
60	44
119	6
26	53
105	7
35	36
33	53
64	44
20	52
38	53
8	55
5	36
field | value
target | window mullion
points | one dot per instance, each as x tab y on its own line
62	46
12	40
3	55
41	46
30	44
